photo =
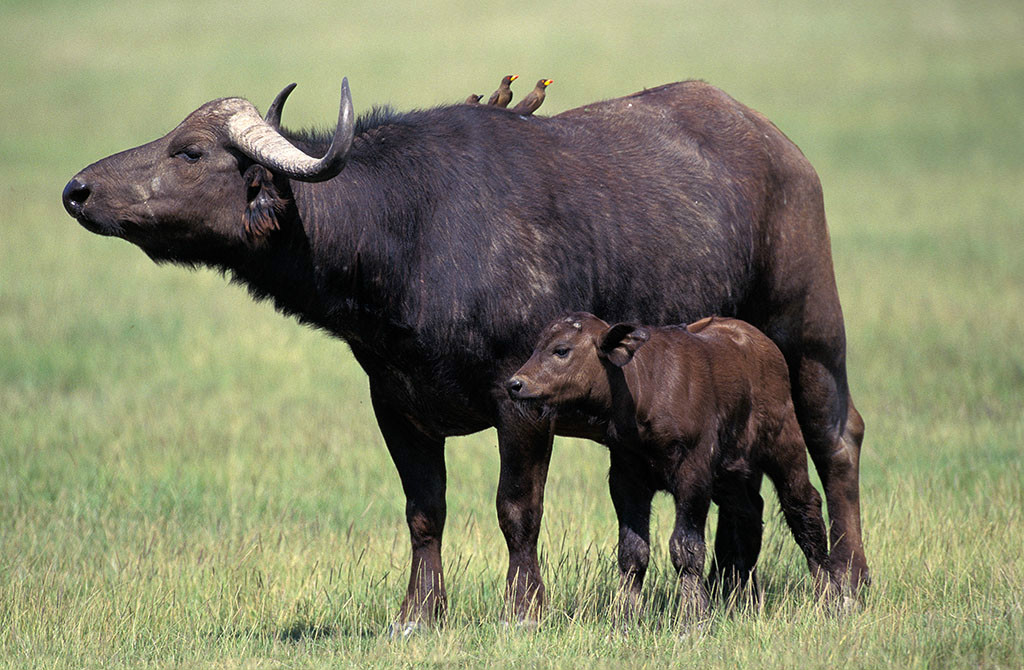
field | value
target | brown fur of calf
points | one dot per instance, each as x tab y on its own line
699	411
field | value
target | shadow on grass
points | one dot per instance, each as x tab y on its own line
661	604
302	631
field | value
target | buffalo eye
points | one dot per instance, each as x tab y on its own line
189	154
561	351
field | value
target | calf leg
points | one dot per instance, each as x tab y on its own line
525	451
419	459
631	495
738	538
686	546
786	466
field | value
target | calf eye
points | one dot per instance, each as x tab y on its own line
561	351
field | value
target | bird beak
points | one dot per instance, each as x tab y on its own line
548	82
513	78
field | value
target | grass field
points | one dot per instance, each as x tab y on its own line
189	479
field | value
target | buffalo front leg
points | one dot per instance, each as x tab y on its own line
525	450
631	495
419	459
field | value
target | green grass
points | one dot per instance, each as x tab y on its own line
189	479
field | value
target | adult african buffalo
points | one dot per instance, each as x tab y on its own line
437	243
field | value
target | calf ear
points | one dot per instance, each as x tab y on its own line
620	342
265	204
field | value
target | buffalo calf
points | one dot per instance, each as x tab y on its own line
700	412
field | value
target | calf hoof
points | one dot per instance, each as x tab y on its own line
854	578
838	597
621	626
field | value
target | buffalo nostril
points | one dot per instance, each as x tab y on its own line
74	196
514	386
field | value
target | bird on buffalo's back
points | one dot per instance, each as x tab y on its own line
473	99
533	99
503	95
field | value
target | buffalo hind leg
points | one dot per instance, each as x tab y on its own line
798	307
738	538
834	431
524	447
420	462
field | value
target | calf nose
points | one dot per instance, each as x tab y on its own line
514	387
74	196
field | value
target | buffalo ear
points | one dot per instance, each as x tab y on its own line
265	204
620	342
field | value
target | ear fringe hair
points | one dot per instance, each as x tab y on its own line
265	206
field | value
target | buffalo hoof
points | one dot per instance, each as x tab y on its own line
695	630
520	627
403	630
848	604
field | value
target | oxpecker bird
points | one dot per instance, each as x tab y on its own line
503	95
533	99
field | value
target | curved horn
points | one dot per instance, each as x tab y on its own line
260	141
273	115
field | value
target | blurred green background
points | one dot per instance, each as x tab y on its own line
186	477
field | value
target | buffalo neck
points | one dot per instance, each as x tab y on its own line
336	262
